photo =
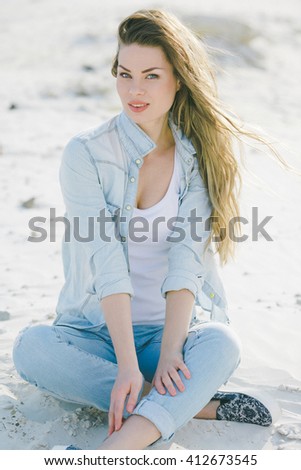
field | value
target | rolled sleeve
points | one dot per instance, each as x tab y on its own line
180	279
113	286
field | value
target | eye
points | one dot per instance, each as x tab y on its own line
124	75
152	76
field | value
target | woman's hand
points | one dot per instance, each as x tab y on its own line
167	376
128	383
129	380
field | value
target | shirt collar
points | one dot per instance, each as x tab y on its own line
139	144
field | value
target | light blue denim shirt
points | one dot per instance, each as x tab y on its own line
98	176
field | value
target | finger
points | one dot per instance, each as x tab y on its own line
182	366
159	386
169	385
132	400
118	412
111	422
174	375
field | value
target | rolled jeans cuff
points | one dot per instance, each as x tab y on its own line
158	415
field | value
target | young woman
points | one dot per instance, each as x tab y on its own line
146	195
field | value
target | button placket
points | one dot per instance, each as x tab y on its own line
129	200
128	204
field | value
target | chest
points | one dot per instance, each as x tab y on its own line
154	179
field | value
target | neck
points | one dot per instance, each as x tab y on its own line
160	133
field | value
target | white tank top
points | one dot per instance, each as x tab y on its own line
149	258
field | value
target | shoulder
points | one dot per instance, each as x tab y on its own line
94	133
86	143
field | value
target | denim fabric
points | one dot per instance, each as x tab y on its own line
79	366
99	175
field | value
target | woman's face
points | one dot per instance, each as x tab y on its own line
146	83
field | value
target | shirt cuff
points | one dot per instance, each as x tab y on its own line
180	279
120	286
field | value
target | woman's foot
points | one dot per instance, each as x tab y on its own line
235	406
241	408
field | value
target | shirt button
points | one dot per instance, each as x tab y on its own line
132	179
211	295
189	160
128	207
123	239
138	161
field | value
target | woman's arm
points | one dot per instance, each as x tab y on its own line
85	207
109	278
129	381
117	313
179	306
183	282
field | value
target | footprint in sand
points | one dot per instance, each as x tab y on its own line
291	434
298	299
4	315
289	388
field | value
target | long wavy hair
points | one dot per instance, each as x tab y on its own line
200	114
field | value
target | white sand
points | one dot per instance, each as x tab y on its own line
44	45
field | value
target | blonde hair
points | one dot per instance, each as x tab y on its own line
198	112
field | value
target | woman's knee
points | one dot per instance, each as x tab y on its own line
229	341
27	349
219	340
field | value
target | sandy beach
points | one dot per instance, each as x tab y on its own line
55	74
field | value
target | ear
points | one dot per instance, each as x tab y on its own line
178	85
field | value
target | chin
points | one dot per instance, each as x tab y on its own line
139	118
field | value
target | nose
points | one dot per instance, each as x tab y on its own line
136	89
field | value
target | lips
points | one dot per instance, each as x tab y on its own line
138	106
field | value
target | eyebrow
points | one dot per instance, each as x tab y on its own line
143	71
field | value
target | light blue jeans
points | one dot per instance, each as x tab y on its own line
79	366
